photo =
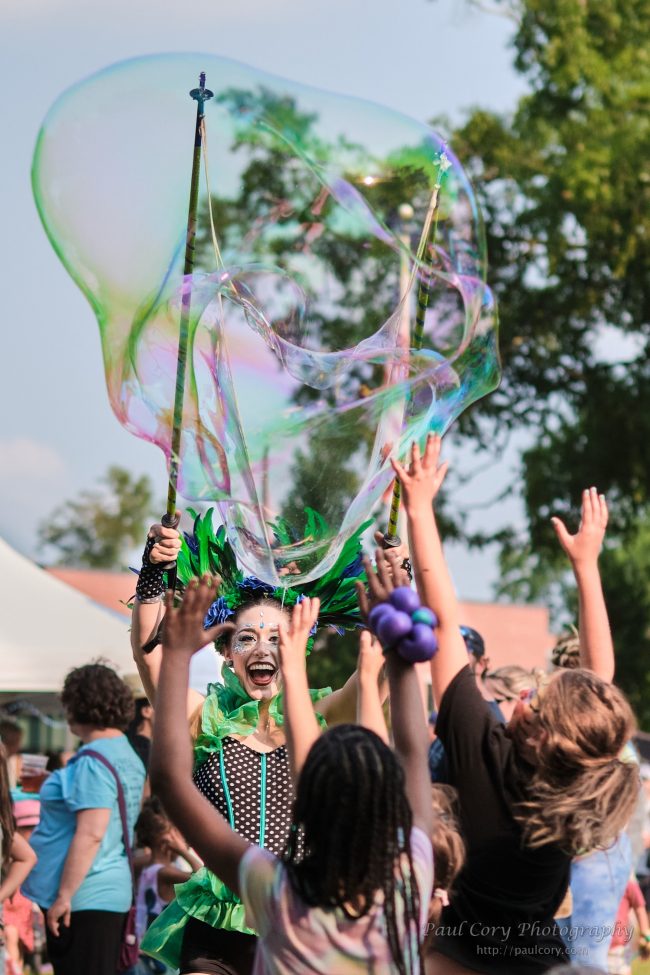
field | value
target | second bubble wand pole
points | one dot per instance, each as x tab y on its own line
424	260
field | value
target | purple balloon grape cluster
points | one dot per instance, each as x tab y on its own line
405	625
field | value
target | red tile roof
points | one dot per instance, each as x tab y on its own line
110	589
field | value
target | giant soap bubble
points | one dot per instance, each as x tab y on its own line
317	238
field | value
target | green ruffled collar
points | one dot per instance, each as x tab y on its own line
228	710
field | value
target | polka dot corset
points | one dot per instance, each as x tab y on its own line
251	790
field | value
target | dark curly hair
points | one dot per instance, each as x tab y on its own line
152	823
95	695
356	823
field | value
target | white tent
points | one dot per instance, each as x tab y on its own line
46	628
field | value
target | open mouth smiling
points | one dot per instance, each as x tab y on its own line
261	673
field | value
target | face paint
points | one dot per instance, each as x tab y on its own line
247	639
254	650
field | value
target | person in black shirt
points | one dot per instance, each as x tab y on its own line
532	795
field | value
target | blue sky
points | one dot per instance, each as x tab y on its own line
422	57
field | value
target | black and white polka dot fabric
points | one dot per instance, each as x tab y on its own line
249	774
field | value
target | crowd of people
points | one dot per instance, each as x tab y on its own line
267	828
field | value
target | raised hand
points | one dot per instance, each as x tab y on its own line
293	635
183	631
167	544
175	841
371	657
425	474
389	575
587	542
301	725
369	700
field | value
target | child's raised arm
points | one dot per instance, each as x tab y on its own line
583	549
301	725
370	713
420	484
172	757
407	708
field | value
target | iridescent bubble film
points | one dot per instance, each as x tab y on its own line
338	300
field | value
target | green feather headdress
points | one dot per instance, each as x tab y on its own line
207	551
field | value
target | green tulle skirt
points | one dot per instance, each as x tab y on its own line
204	897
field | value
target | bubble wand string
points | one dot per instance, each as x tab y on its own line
429	231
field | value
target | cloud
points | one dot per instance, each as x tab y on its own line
22	457
33	481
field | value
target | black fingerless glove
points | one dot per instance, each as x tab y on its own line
151	581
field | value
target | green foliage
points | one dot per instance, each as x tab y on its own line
565	188
542	575
564	184
626	578
333	659
207	550
99	527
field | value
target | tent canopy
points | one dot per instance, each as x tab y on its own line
47	628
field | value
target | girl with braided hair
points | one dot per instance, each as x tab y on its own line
239	732
351	891
448	844
554	783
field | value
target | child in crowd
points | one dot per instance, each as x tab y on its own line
351	893
154	830
448	845
631	903
19	912
448	851
552	784
17	857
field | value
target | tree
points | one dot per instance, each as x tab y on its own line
98	528
565	186
333	659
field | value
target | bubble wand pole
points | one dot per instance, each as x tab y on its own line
391	538
200	95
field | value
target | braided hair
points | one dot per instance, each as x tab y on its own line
355	820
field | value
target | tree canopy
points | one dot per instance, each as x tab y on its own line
98	528
565	188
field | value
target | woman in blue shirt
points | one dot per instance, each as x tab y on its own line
82	879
